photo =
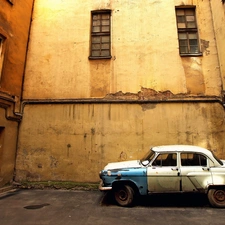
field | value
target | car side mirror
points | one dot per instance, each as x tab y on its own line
145	162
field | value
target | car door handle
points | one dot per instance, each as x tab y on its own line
205	168
176	169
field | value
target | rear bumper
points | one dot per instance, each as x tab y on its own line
102	188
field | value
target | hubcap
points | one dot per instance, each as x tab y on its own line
122	195
219	195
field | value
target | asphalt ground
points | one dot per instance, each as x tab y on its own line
65	207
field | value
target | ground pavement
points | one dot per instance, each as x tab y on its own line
65	207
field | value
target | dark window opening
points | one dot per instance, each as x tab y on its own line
100	35
187	32
2	134
2	45
193	159
165	160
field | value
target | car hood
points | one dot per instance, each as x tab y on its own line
123	165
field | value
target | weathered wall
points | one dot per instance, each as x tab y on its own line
8	141
144	51
14	25
218	12
74	141
118	107
14	29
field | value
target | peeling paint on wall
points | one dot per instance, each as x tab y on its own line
145	93
97	139
205	47
148	106
99	125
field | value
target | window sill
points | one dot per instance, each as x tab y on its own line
191	54
99	57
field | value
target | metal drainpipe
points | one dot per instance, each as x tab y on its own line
28	41
207	99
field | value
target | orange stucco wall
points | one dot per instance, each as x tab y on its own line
80	114
14	29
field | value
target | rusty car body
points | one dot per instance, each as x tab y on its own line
167	169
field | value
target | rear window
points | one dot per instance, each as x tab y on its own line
193	159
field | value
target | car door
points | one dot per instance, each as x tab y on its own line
163	174
195	171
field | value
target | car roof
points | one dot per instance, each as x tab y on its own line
180	148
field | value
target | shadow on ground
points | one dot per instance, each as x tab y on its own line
163	200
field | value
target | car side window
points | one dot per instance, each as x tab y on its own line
193	159
166	159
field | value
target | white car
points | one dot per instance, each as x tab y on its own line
167	169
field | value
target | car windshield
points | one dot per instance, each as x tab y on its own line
148	156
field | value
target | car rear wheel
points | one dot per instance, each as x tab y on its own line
217	197
124	195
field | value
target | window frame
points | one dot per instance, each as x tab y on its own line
2	52
188	32
100	34
2	138
169	161
191	162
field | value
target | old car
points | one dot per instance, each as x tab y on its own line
167	169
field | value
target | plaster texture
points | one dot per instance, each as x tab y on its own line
79	114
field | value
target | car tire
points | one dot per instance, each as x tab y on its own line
217	197
124	195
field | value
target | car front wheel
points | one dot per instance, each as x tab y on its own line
217	197
124	195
